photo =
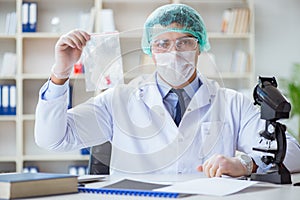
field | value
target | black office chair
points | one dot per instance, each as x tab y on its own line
100	159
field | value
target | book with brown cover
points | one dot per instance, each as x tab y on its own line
21	185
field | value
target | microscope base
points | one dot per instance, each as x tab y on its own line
281	176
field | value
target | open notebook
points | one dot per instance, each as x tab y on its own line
203	186
132	187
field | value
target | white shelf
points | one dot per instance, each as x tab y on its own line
8	118
35	53
137	34
214	1
8	78
55	157
8	159
35	76
233	75
134	1
41	35
5	36
219	35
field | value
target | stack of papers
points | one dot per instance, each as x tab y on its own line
197	186
209	186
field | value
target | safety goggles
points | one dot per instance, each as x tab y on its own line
181	44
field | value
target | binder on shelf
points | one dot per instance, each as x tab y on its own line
12	100
1	100
5	99
31	169
29	16
70	90
25	17
85	151
32	16
8	99
78	170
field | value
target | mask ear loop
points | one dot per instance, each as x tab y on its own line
207	66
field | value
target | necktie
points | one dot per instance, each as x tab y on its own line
180	106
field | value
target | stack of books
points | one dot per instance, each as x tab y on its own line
11	23
21	185
235	20
240	61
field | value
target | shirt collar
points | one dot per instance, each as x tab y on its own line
190	89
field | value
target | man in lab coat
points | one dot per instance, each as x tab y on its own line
174	121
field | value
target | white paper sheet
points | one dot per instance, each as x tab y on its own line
209	186
90	178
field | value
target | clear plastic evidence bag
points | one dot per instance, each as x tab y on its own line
102	61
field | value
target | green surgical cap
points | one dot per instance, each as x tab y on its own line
188	19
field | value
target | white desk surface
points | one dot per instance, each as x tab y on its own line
282	192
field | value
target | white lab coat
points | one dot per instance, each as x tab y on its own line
144	136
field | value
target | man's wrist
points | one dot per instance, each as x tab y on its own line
247	162
58	81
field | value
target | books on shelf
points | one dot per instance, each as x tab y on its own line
225	20
235	20
87	20
207	64
240	61
107	20
9	64
21	185
11	23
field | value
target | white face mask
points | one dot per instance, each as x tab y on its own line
175	67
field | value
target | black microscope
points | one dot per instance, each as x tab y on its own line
274	106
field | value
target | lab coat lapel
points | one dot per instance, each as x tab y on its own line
204	95
149	93
151	96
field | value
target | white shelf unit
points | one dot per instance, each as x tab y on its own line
35	56
223	45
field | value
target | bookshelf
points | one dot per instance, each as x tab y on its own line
35	56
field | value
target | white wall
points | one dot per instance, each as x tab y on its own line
277	40
277	36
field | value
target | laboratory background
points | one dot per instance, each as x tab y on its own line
249	38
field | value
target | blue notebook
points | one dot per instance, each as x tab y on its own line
133	188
